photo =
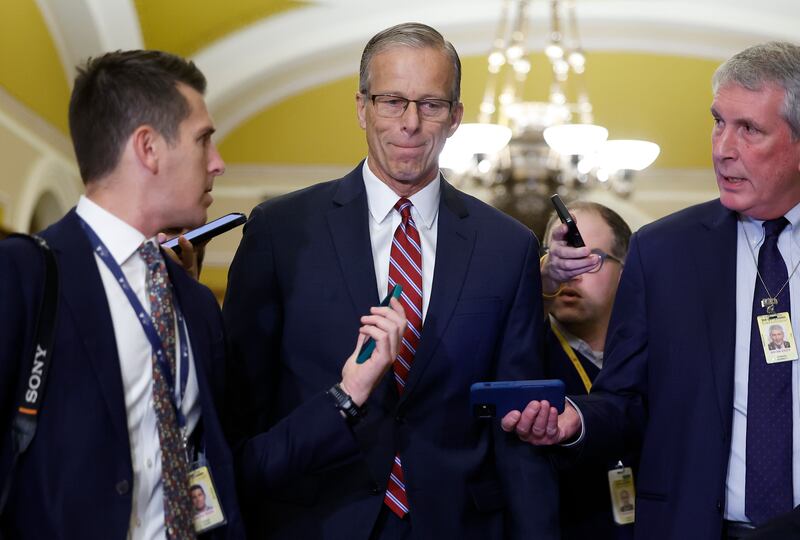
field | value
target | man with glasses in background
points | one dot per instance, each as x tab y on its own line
413	463
578	310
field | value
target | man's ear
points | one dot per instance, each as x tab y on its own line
361	104
455	118
146	143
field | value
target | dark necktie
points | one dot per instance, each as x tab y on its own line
174	467
405	268
768	480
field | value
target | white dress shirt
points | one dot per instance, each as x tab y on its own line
136	366
746	265
384	219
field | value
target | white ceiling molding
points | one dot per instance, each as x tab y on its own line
306	47
47	176
84	28
34	130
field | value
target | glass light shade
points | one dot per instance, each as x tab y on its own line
621	154
575	139
471	139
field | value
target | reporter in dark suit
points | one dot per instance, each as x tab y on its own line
105	461
312	261
685	374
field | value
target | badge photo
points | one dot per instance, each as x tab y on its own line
777	338
205	504
623	495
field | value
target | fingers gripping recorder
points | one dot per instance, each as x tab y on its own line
574	238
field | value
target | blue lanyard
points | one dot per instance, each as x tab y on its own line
147	325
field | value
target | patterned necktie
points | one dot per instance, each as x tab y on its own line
405	269
768	461
174	468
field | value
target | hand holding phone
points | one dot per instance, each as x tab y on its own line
208	231
369	345
497	399
573	237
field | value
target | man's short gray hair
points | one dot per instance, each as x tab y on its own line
415	35
775	62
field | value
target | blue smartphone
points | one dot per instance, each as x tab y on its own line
208	231
496	399
369	345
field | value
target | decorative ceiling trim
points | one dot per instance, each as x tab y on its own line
84	28
47	175
291	52
34	130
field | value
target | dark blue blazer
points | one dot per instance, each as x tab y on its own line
667	378
301	279
76	479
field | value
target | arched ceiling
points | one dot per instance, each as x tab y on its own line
281	73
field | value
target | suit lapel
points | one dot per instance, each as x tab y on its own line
454	244
348	222
714	253
83	293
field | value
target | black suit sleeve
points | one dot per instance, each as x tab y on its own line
270	451
528	478
779	528
615	412
21	266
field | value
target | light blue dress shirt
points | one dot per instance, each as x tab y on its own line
746	265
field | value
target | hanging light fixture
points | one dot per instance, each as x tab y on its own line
532	148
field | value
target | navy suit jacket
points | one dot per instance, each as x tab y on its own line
667	378
301	279
76	479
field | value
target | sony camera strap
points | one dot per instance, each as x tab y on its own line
32	385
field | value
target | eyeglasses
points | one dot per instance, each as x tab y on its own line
389	106
603	256
600	253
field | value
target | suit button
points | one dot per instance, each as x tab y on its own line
400	419
375	489
122	487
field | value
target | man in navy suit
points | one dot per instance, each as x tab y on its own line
96	467
416	464
699	291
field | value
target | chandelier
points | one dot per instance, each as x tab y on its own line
523	151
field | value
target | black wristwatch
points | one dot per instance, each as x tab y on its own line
345	404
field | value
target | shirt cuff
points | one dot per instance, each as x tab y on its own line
583	427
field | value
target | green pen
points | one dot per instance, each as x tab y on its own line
369	346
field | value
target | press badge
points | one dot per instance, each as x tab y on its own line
623	496
777	337
207	512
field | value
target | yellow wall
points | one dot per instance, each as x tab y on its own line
660	98
184	26
30	69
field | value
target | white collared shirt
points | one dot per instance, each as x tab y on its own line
384	219
746	265
135	358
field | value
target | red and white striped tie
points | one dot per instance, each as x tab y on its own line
405	268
